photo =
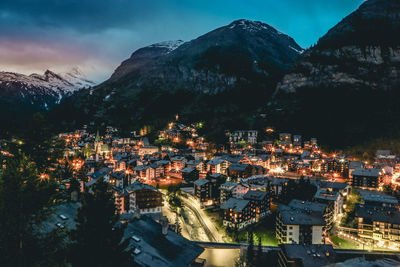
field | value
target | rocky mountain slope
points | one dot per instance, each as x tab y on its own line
212	63
345	87
220	77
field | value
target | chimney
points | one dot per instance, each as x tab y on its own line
164	225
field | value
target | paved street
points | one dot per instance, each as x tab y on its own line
208	226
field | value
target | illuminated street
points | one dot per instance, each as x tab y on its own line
207	224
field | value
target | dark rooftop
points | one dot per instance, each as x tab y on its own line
235	204
158	249
375	196
366	172
201	182
307	205
310	255
139	186
293	216
255	195
378	214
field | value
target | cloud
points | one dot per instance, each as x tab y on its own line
97	35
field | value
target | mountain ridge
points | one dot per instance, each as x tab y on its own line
22	95
186	62
355	70
230	70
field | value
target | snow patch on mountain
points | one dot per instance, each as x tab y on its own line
43	90
170	45
252	26
64	83
297	50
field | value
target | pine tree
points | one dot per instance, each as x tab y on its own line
259	258
25	200
250	250
178	228
98	238
39	143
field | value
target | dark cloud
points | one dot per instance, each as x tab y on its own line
39	34
84	15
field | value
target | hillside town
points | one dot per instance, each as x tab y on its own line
285	189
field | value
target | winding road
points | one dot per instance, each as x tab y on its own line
208	232
208	226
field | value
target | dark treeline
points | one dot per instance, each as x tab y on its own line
133	109
30	191
341	117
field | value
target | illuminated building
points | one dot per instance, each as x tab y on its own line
369	178
379	224
237	213
299	226
144	198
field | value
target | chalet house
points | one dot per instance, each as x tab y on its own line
144	198
203	192
367	178
237	213
240	190
148	150
143	171
121	165
277	185
207	189
156	171
267	145
217	166
242	159
121	198
226	191
239	170
190	174
260	203
317	207
378	199
166	165
354	165
261	160
379	224
342	188
334	201
117	178
198	164
178	162
299	226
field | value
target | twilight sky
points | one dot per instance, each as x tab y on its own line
96	35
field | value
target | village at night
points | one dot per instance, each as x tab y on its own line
231	146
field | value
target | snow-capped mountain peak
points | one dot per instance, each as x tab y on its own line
77	78
34	88
250	25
